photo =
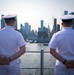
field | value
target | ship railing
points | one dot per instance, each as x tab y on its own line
41	62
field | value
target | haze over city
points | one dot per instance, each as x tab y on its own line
32	11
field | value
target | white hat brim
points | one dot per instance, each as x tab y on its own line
67	17
9	16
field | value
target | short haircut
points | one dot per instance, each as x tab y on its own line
67	22
9	20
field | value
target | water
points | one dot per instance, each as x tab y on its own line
32	60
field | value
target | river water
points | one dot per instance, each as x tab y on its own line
32	60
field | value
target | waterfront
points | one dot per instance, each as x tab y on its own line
32	60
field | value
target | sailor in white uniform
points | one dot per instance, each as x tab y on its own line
61	47
12	46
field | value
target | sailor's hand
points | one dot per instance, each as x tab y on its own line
70	64
4	61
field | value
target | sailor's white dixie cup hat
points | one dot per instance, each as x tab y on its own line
67	17
9	16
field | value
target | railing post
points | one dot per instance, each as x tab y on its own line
42	61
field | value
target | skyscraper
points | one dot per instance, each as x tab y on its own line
57	27
15	25
72	13
42	24
27	28
65	12
22	30
2	22
54	26
48	29
42	33
55	23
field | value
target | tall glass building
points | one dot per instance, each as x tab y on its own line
72	13
2	22
65	12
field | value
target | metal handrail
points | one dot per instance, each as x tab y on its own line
41	62
36	68
36	51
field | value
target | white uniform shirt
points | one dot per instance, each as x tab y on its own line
63	42
10	41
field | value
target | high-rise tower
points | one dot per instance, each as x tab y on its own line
72	13
15	25
55	23
2	22
65	12
42	24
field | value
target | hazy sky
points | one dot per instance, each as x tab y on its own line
32	11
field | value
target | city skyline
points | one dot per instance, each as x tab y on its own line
32	11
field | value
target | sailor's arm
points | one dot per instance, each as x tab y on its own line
57	56
18	54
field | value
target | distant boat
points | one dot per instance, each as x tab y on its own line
31	41
45	44
27	40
